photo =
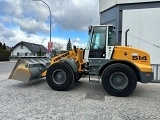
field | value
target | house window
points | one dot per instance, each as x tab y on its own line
17	53
34	54
25	54
21	46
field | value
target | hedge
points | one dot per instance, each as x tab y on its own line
4	55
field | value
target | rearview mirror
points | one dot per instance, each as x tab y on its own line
89	29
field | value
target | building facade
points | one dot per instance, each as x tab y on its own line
141	17
26	49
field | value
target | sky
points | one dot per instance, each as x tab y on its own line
28	20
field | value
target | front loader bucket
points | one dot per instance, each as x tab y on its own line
29	68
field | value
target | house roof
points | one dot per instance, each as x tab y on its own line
8	48
32	46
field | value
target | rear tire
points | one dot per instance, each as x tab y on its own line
60	76
119	80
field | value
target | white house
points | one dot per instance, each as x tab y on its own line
28	49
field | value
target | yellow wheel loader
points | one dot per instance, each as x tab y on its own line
118	67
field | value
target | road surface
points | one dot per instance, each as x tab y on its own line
85	101
6	68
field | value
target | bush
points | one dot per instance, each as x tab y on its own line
4	46
4	55
1	46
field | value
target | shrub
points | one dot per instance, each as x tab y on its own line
1	47
4	55
4	46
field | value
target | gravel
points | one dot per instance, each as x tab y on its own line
37	101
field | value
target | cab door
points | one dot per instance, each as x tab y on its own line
98	42
101	43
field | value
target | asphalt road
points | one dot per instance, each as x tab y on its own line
6	67
85	101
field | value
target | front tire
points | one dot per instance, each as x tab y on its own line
78	77
60	76
119	80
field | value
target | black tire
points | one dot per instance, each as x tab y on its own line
78	77
60	76
119	80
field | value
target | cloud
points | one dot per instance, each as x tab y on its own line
23	19
69	14
6	33
25	14
30	26
76	40
75	14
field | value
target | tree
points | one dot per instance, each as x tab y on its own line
57	46
69	45
4	46
57	49
1	47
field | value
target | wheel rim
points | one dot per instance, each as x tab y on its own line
118	80
59	76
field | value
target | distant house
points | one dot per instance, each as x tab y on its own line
28	49
8	48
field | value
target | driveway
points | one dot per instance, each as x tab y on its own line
85	101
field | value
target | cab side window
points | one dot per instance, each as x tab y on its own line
111	37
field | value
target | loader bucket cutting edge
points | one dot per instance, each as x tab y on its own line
29	68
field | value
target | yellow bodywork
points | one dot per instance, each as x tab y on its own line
77	55
138	57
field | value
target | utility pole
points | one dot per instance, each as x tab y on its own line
50	15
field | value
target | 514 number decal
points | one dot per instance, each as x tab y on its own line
144	58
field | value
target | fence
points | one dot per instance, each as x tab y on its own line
156	70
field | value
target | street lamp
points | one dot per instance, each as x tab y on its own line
50	15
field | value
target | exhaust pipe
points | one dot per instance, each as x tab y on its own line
29	68
126	35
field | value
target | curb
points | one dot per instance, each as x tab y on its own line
155	81
8	61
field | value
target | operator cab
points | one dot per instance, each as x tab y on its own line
101	42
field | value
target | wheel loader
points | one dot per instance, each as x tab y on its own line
118	67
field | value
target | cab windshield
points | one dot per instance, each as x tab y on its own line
98	37
89	41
